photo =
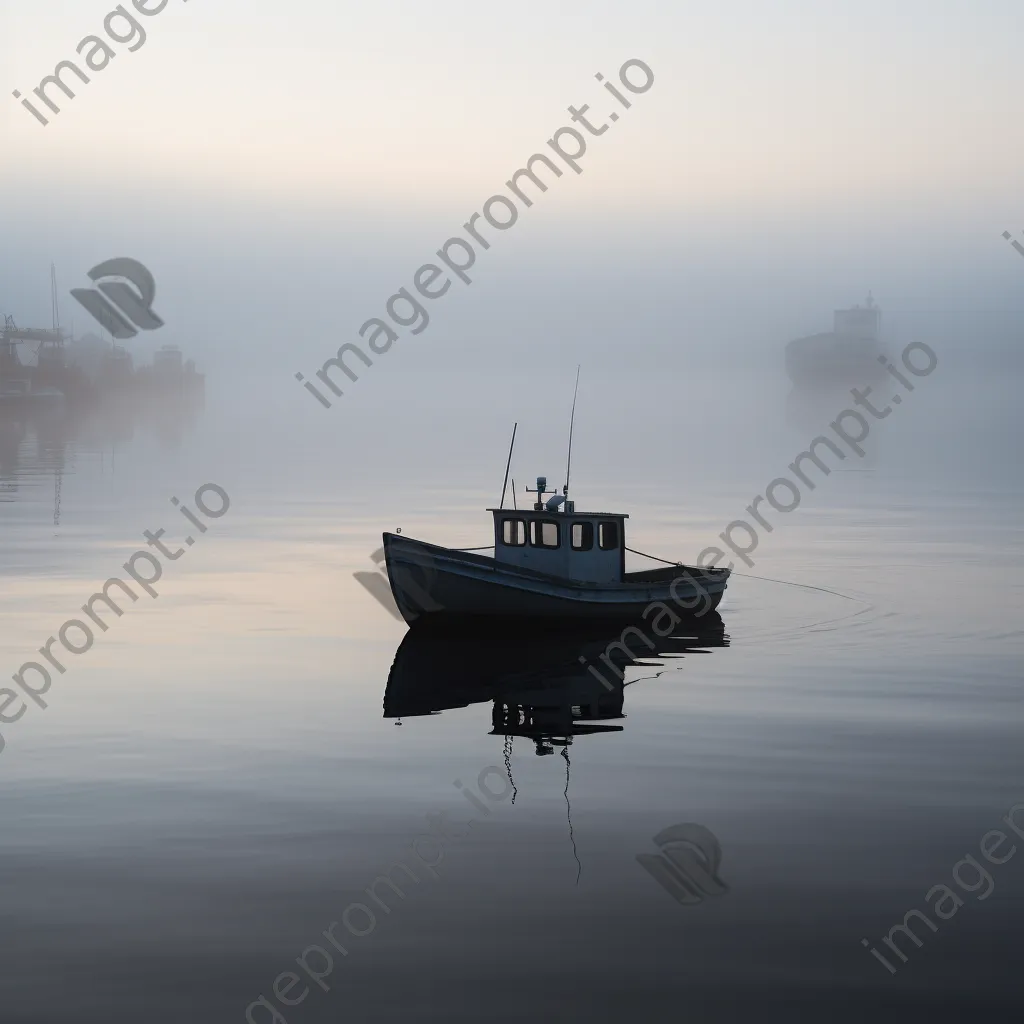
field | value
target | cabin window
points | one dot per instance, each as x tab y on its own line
513	532
544	533
608	536
582	536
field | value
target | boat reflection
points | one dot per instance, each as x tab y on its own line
549	685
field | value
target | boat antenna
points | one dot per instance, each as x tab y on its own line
572	420
514	505
508	466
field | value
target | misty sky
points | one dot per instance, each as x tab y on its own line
282	169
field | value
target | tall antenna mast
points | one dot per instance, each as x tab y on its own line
572	420
508	466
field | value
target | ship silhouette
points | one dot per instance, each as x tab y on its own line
846	356
47	366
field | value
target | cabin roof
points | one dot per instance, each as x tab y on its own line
558	512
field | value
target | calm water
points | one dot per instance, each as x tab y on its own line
217	781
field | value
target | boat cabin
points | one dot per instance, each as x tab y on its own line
859	322
559	541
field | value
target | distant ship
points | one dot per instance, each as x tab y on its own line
23	384
85	373
845	356
549	563
170	373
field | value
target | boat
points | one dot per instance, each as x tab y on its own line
550	562
87	372
547	564
846	356
20	385
171	374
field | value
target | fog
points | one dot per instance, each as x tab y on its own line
282	179
388	234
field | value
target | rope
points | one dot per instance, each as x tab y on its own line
653	558
746	575
804	586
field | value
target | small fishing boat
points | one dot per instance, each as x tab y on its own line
549	562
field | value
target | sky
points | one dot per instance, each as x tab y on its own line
282	170
426	104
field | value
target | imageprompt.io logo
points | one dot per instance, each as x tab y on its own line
118	308
414	576
687	867
377	584
1013	241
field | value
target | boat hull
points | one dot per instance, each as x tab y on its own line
831	359
432	582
